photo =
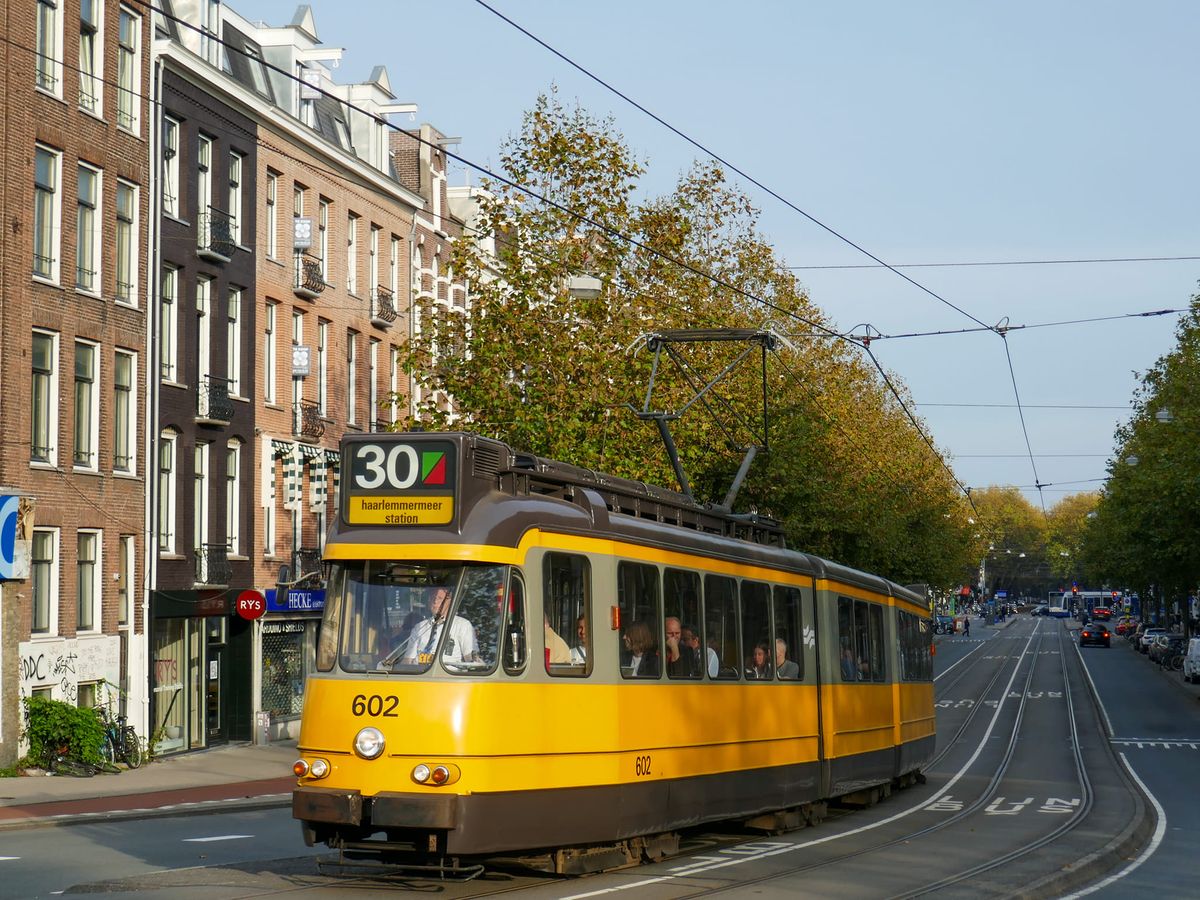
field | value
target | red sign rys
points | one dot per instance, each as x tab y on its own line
251	604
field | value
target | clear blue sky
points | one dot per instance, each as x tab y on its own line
926	132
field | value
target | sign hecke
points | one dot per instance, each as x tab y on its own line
295	601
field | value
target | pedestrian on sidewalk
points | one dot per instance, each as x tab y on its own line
966	626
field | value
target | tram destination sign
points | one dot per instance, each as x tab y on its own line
400	482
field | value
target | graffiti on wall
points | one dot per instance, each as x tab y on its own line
64	664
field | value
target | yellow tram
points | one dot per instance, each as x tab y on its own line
520	657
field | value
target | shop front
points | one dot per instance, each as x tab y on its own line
288	648
200	671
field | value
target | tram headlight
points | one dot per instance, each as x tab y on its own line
319	768
369	743
420	774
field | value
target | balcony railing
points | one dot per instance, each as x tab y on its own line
383	307
310	279
307	565
213	406
306	420
214	235
212	565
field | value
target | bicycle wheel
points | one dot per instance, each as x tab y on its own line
1177	662
108	751
131	747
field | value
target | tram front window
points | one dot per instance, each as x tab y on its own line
399	617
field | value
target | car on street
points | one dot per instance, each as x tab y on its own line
1095	633
943	624
1191	661
1125	624
1148	635
1040	611
1101	613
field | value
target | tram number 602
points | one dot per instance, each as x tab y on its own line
641	765
374	705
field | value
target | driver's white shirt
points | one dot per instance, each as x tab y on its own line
460	646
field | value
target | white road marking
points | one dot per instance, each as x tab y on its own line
7	858
1159	831
789	847
960	659
219	837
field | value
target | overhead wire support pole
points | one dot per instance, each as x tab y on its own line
663	341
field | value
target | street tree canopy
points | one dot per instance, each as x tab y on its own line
562	374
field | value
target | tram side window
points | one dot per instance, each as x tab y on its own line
480	604
916	663
878	662
720	627
515	641
925	649
904	631
788	649
640	610
857	655
682	650
757	653
567	603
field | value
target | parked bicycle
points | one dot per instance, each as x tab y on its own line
59	761
121	743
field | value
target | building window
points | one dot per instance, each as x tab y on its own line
323	367
269	354
124	411
373	260
90	55
258	72
43	571
166	491
233	350
87	234
126	563
87	563
268	499
46	212
210	27
125	238
351	376
48	62
372	385
233	497
204	327
129	38
200	497
45	397
352	254
323	238
394	267
204	147
297	383
393	381
87	405
272	220
170	198
235	196
169	323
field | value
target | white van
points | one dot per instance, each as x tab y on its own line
1191	661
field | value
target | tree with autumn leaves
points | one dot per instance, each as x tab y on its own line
564	375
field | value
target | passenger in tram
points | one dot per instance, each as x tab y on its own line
643	651
557	651
460	645
758	666
788	669
713	655
680	657
579	651
849	669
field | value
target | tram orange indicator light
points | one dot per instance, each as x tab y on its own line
440	775
614	614
300	768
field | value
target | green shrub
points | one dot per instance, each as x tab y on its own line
53	724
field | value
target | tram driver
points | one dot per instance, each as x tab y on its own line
460	645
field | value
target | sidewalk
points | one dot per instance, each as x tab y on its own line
242	774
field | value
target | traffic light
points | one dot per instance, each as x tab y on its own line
1074	590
